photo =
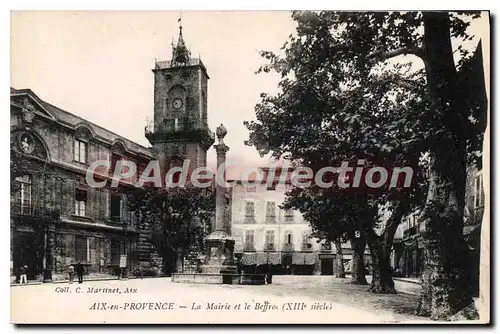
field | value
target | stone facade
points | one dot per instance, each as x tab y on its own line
266	233
180	130
53	151
56	217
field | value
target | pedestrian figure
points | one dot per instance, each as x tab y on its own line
142	272
79	272
23	275
71	273
269	274
268	279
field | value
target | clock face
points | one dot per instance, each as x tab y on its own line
177	103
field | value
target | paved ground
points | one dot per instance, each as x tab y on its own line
290	299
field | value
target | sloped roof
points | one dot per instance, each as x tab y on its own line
72	120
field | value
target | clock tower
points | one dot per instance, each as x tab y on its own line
180	130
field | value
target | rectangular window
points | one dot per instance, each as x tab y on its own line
478	191
306	242
115	207
269	245
23	193
289	216
80	151
271	209
249	209
80	202
81	248
114	160
249	240
289	238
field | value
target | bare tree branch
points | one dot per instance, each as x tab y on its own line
400	81
383	55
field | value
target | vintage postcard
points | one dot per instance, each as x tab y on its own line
250	167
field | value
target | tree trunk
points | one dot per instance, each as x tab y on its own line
358	246
446	280
382	281
380	249
446	283
339	258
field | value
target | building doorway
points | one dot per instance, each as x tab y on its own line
326	266
25	253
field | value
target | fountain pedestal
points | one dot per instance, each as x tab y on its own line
219	251
219	266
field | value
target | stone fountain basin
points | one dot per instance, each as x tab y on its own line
219	278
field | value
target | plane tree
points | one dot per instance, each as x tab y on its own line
383	87
176	219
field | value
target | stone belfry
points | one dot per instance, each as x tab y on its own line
180	130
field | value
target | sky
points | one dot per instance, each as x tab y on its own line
97	65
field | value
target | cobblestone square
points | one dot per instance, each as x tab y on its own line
293	299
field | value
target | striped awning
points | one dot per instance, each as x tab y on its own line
250	259
274	258
304	258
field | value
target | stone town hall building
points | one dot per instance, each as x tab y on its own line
56	217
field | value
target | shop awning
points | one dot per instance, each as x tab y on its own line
250	259
304	258
274	258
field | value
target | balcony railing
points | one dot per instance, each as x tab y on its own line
164	64
269	248
288	248
34	211
174	126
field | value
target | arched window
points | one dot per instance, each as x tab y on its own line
82	138
117	153
288	237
